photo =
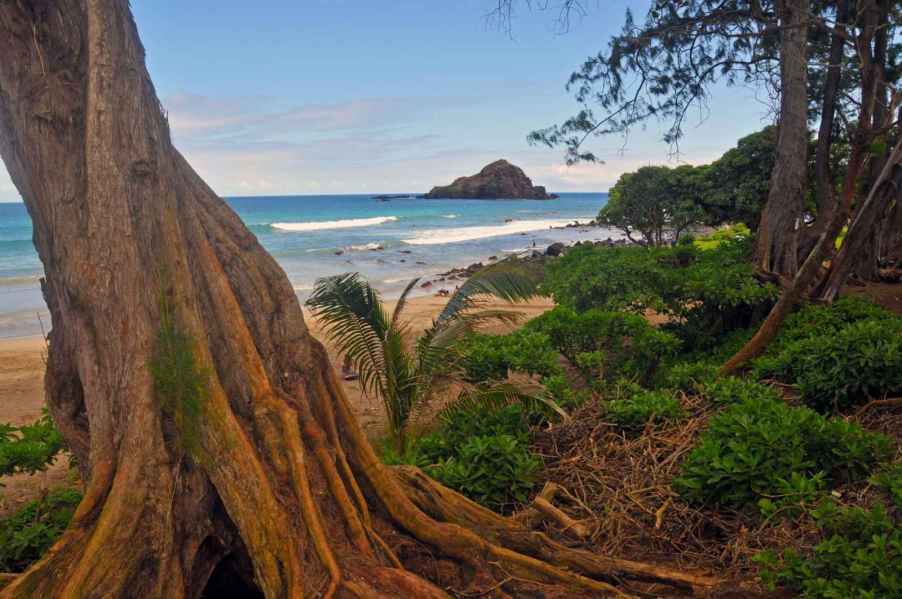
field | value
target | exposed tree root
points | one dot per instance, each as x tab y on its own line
445	504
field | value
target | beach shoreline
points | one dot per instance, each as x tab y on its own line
23	362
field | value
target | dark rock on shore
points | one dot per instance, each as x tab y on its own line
555	249
498	180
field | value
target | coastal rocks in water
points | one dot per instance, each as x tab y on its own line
498	180
555	249
393	196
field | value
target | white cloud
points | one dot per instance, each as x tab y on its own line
259	146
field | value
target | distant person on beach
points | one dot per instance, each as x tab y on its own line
347	371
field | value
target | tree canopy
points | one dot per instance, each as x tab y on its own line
659	202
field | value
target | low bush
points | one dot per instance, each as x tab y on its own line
618	278
819	321
689	377
707	293
642	408
731	390
613	343
30	448
838	356
717	295
491	357
481	451
722	235
496	470
28	534
859	556
563	394
752	448
890	480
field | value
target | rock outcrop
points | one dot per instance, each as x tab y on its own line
498	180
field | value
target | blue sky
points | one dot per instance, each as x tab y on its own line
345	96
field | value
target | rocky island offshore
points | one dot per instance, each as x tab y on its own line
498	180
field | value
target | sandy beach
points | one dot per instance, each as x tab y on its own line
22	363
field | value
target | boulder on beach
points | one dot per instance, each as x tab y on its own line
498	180
555	249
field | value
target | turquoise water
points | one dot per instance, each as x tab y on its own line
389	242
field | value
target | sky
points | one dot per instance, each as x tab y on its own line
355	96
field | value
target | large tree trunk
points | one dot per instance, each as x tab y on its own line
245	450
778	231
859	242
825	192
807	278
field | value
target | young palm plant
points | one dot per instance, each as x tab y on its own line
406	375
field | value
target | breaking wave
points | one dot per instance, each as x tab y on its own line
439	236
334	224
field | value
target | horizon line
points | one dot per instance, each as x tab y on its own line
301	195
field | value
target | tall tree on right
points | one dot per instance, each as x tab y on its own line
832	62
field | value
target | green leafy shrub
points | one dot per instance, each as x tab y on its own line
717	294
722	235
481	451
643	407
731	390
859	557
28	534
491	357
752	446
30	448
890	480
619	278
495	470
707	294
459	425
839	364
617	343
818	320
563	393
689	377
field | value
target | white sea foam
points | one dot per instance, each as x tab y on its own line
366	247
439	236
334	224
449	216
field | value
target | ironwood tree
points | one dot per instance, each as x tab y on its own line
818	60
836	61
209	427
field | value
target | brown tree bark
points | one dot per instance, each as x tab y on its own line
886	192
807	278
777	244
825	189
266	465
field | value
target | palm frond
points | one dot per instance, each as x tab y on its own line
350	293
496	397
355	322
402	303
507	280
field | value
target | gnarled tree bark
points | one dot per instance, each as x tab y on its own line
270	467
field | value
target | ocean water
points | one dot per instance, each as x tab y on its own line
389	242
